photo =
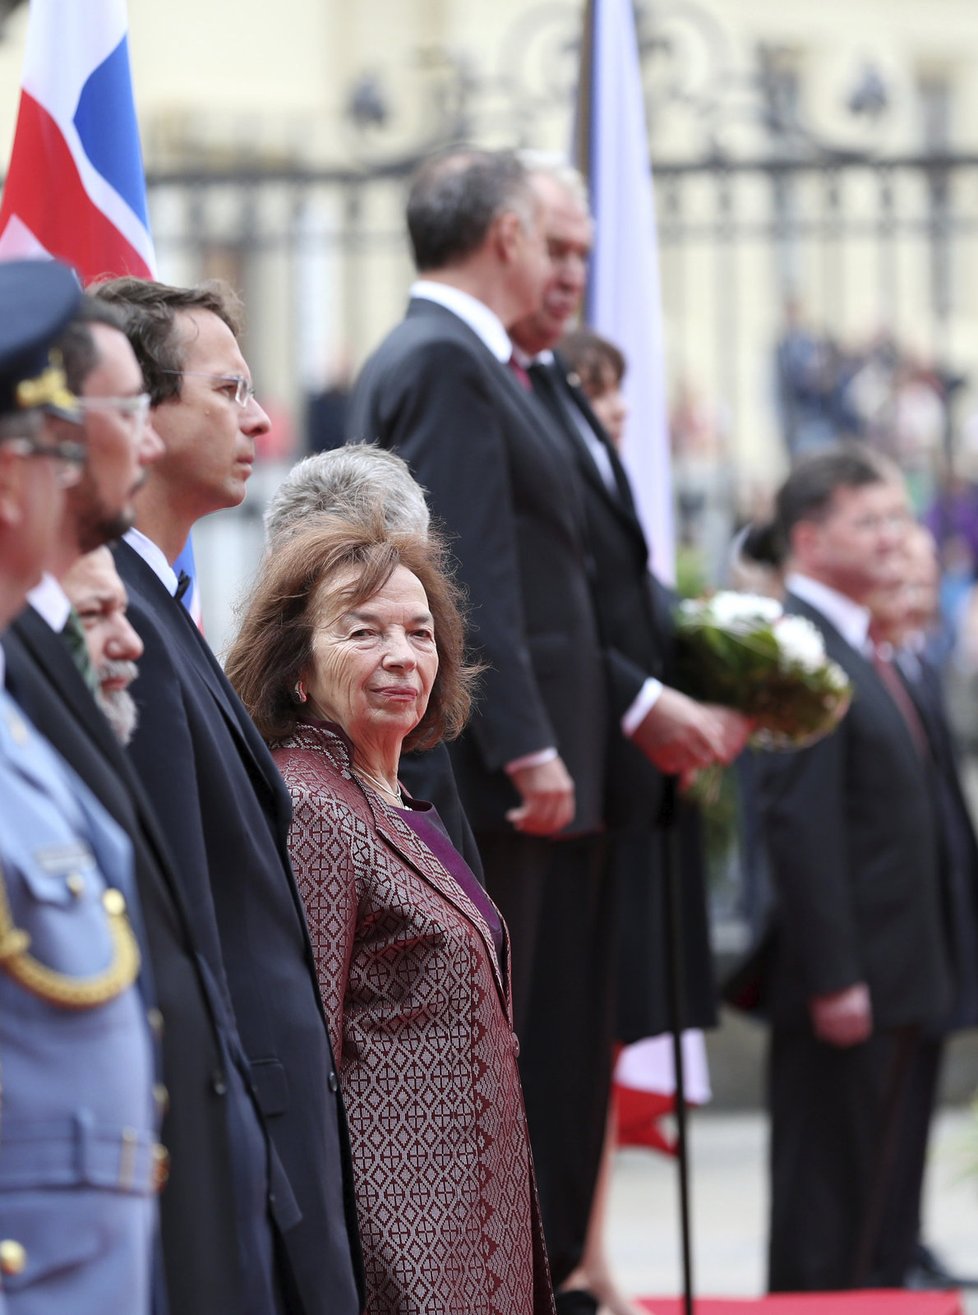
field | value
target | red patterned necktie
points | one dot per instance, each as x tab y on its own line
520	374
900	695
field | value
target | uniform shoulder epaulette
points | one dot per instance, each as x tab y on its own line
58	988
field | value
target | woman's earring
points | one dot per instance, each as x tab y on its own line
300	692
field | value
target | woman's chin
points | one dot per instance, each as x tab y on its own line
399	721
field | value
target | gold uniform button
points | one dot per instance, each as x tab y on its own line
114	902
155	1019
13	1257
161	1096
76	884
161	1166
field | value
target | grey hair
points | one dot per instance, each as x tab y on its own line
558	167
455	197
356	482
118	705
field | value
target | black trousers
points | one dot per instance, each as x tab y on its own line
901	1230
558	901
840	1139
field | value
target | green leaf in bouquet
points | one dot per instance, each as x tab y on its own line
793	697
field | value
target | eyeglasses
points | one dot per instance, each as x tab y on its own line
244	391
134	410
69	458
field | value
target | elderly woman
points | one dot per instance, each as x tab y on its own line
350	651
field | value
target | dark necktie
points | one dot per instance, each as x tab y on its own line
183	584
74	637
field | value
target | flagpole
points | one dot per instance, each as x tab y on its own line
675	979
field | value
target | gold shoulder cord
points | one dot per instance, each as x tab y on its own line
58	988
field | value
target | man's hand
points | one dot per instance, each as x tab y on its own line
679	735
547	792
844	1018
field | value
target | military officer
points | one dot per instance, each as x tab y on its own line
79	1161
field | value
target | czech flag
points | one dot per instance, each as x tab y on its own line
624	301
75	187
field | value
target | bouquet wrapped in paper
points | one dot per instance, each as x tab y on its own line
744	651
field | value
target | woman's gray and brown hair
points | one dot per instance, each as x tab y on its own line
340	564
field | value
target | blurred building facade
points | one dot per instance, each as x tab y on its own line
816	183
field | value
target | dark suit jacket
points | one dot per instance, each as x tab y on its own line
850	825
634	613
632	608
226	813
497	479
200	1244
959	847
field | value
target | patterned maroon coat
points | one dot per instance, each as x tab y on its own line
421	1023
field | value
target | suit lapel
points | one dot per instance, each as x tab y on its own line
535	420
564	393
866	682
623	499
410	849
176	621
406	843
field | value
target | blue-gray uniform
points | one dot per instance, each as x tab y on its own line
79	1161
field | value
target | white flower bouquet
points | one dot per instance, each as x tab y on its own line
742	650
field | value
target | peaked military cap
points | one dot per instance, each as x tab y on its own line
38	299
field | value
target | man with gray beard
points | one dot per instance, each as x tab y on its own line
100	601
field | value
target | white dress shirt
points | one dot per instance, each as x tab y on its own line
154	557
483	322
850	618
50	602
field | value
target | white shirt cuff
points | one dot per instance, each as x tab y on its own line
530	760
645	701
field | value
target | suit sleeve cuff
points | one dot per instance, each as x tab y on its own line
530	760
642	705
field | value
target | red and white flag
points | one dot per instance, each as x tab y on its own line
624	299
75	187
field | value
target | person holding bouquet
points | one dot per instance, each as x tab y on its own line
656	731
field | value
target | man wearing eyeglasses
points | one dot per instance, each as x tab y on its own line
79	1162
211	1126
219	796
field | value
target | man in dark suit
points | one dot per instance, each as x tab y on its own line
854	963
902	619
210	1127
531	765
656	730
219	798
653	729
